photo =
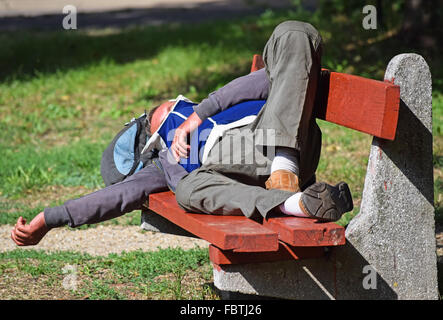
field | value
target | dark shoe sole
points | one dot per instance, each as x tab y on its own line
325	202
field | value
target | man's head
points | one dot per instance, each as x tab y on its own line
158	114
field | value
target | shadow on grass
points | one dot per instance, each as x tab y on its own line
26	54
194	12
348	48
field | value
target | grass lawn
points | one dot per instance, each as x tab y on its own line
163	274
63	96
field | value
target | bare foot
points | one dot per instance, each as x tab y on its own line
31	234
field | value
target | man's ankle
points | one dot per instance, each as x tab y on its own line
285	159
292	206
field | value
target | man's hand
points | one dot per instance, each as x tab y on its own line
31	234
180	147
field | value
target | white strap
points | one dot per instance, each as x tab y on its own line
218	131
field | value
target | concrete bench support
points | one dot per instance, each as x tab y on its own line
390	252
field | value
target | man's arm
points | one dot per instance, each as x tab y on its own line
254	86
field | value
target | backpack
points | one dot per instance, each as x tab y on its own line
122	157
208	133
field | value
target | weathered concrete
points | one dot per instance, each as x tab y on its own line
339	275
395	230
390	251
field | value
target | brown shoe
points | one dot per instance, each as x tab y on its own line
283	180
325	202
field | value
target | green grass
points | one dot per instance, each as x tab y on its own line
164	274
344	157
63	96
35	166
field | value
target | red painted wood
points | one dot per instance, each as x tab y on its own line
236	233
285	252
366	105
257	63
389	127
301	232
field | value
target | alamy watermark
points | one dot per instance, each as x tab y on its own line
70	20
370	20
370	280
70	280
237	147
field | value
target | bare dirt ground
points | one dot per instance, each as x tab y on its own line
42	7
102	240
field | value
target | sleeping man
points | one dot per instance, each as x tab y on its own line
251	148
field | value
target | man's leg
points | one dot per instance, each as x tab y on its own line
292	57
110	202
207	191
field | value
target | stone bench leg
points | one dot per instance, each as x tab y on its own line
391	250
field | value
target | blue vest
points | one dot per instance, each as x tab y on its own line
183	109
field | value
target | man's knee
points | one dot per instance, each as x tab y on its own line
194	185
293	25
298	29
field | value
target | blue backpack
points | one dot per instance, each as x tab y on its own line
123	157
203	139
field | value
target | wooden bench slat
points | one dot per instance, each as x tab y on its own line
236	233
365	105
242	234
257	63
285	252
301	232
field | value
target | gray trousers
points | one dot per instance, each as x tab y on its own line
231	182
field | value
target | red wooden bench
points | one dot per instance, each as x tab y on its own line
362	104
